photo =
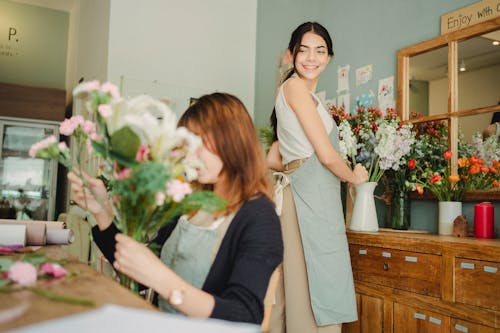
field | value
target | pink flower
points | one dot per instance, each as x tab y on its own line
159	198
110	88
62	146
55	270
104	110
123	174
178	189
88	127
45	143
23	273
68	126
141	153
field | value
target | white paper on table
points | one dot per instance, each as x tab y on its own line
60	236
115	318
12	234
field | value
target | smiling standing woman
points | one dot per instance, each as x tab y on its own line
317	291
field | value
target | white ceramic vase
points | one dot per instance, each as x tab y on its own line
364	214
448	211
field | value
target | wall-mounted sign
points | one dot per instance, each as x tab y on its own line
8	42
466	16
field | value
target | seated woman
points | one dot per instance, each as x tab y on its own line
215	266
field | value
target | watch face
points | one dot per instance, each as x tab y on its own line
176	297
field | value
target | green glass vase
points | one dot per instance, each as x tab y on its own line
400	217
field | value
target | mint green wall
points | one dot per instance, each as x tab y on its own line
363	32
36	54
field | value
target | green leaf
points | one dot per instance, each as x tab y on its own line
4	282
125	143
122	160
34	258
5	264
99	148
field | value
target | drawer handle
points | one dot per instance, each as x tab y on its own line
363	252
386	254
419	316
461	328
433	320
490	269
386	266
411	259
466	265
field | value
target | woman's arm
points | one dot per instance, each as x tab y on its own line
274	157
138	262
302	103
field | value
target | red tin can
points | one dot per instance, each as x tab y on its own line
484	220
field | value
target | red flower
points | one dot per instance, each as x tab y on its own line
420	190
412	163
447	154
435	178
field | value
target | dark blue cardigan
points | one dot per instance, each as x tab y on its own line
250	251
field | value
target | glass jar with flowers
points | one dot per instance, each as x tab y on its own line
427	148
148	161
377	141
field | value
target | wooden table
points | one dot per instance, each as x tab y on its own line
87	284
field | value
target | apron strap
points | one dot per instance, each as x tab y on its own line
281	181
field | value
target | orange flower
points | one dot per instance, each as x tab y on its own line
454	179
419	189
494	170
484	169
447	154
495	163
496	183
463	162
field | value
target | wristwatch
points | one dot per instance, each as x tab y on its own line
176	297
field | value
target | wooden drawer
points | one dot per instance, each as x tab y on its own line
412	320
461	326
411	271
477	283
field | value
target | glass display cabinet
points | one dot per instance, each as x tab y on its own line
27	185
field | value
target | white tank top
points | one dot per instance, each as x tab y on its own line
293	142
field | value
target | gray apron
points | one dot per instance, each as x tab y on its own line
316	192
191	249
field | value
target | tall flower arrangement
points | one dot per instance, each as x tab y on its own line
379	142
147	160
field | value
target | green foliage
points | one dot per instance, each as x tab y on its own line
266	135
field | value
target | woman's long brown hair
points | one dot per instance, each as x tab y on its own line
228	131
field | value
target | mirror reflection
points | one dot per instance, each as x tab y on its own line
428	91
479	71
480	127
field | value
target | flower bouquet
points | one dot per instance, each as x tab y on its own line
147	161
379	142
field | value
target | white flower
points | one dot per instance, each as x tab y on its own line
348	143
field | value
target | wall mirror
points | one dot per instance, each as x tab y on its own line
454	78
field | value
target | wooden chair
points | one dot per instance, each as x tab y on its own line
269	299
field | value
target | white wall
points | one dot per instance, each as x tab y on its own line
191	46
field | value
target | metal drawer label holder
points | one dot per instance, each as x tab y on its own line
433	320
411	259
461	328
466	265
363	252
386	254
490	269
419	316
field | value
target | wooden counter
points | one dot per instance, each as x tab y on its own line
87	284
414	283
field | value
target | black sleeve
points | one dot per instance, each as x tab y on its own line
106	242
259	252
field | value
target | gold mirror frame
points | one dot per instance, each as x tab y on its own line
403	104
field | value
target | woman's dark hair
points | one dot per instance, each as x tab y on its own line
227	130
293	47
